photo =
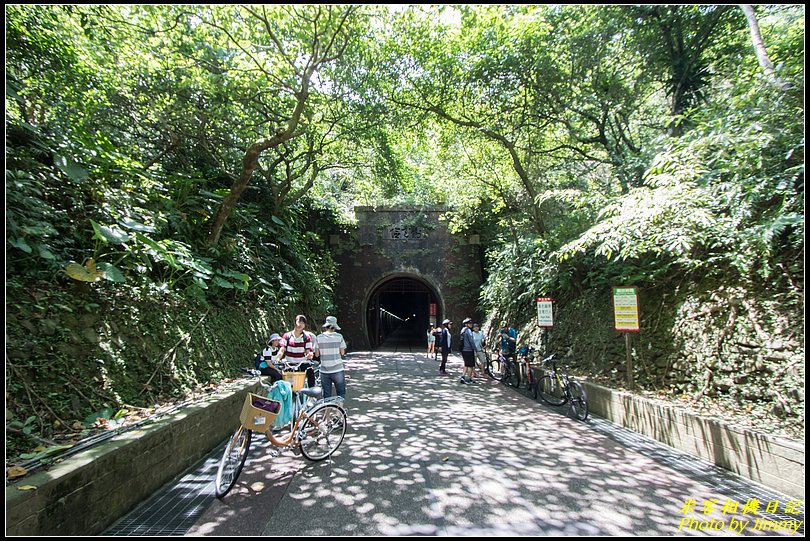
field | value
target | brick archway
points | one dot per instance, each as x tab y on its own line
404	302
411	249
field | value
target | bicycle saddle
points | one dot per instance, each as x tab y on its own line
314	392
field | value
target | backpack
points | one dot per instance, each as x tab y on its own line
263	362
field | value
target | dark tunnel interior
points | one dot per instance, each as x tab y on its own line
399	314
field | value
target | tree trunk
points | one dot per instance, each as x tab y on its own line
759	47
251	161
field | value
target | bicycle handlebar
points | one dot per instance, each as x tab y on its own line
285	364
549	359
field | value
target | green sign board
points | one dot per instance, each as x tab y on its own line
625	309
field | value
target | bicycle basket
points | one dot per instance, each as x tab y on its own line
295	379
259	413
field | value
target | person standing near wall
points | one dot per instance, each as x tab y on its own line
265	361
445	339
331	347
480	355
467	351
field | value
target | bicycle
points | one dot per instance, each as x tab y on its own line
502	368
526	356
316	431
557	388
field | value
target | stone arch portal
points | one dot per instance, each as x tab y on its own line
399	269
402	306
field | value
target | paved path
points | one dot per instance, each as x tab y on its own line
427	455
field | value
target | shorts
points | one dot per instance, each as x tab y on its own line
469	358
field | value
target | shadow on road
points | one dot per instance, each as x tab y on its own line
427	455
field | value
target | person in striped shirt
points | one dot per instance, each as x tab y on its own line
297	345
331	347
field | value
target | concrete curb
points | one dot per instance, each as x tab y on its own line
92	489
773	462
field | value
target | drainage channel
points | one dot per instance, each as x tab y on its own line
179	504
175	508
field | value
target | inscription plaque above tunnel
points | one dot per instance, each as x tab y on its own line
408	252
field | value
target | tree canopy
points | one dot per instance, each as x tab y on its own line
185	149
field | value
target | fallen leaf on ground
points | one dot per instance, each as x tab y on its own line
16	471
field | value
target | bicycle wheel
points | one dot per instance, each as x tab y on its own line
531	384
494	369
579	400
512	374
551	391
233	460
323	431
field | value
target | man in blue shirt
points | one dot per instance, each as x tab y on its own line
508	338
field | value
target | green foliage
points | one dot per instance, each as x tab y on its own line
546	130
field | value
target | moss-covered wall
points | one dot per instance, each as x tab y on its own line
66	359
713	341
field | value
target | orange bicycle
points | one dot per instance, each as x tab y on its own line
316	431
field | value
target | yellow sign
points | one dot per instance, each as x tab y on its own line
625	309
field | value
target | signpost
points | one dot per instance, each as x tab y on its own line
545	318
626	320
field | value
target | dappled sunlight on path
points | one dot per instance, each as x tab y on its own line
427	455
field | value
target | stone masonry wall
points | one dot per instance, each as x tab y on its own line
404	242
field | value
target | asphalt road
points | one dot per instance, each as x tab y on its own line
427	455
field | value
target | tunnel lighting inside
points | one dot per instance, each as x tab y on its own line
400	309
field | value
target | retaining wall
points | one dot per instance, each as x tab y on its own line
773	462
89	491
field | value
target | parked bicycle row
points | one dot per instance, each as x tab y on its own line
509	364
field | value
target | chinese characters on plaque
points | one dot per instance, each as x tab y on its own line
405	232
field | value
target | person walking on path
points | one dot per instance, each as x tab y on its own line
480	355
297	345
331	347
431	340
467	351
445	340
437	335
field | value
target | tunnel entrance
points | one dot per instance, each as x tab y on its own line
399	312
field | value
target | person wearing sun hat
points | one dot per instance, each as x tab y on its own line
331	347
265	360
467	351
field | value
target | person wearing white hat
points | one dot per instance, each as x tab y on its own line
331	347
266	359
